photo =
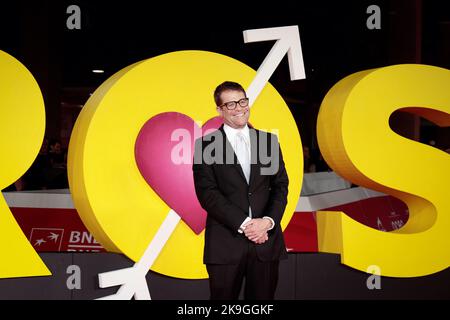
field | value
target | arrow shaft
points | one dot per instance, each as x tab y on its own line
133	279
266	69
159	240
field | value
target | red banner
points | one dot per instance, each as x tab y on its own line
56	229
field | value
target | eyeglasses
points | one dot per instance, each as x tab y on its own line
231	105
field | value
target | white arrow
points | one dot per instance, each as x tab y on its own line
288	41
132	280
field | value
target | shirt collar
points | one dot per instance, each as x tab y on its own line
231	132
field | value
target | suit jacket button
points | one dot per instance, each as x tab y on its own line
249	193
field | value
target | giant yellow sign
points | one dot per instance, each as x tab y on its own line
22	126
124	213
356	141
110	194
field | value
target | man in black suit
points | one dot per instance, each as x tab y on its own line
241	181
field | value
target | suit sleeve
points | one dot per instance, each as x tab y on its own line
279	183
209	195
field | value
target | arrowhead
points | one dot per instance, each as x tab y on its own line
288	40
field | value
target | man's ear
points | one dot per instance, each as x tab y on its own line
219	111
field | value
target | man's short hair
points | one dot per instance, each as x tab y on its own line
225	86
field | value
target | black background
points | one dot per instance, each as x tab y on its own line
113	35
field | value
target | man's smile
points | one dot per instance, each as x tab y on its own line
240	114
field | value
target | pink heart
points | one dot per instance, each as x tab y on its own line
164	150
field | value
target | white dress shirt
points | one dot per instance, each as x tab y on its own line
244	157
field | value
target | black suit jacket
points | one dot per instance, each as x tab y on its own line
224	193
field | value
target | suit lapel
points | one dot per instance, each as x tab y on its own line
254	163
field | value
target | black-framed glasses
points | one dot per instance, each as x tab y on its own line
231	105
